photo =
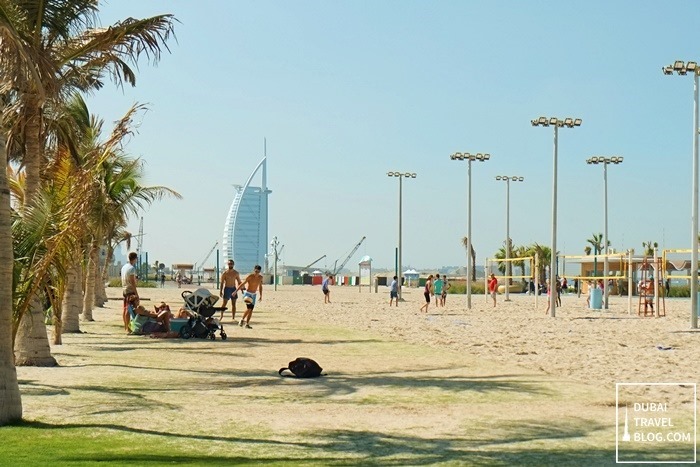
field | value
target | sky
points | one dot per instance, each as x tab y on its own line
346	91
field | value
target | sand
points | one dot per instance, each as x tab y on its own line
607	346
393	372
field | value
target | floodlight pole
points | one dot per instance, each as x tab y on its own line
469	234
400	236
605	161
400	176
469	158
553	253
508	243
605	235
683	68
569	123
694	255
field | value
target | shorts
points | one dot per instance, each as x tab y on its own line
427	297
325	291
228	293
394	294
150	327
252	297
493	294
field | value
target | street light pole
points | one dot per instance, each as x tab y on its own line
605	161
458	156
556	122
683	68
274	244
401	177
507	179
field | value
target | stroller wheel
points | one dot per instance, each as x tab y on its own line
186	331
223	336
212	336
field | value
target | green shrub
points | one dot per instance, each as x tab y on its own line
679	291
461	288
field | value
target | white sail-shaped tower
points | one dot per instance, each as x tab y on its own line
245	230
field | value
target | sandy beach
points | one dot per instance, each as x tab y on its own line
604	347
404	385
585	345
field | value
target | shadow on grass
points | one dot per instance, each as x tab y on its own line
517	443
303	391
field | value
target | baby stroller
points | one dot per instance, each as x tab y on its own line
200	304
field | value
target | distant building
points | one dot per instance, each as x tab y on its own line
245	230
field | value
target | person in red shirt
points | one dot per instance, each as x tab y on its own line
493	288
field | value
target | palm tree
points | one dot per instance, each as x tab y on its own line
544	259
649	247
122	194
465	243
67	52
10	399
596	242
520	252
17	64
44	233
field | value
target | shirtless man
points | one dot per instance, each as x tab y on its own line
252	283
230	279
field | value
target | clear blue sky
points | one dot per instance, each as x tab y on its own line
346	91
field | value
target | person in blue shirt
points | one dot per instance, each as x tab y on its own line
325	289
394	291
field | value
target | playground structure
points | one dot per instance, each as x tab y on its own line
490	262
627	267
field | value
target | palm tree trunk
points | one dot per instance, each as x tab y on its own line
100	292
73	298
89	297
10	399
32	342
33	153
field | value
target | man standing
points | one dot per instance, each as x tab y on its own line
128	285
394	291
252	283
493	288
325	288
230	279
437	290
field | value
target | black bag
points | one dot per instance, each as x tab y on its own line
303	368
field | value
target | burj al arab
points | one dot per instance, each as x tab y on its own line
245	230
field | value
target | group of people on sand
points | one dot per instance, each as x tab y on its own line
231	284
156	323
435	286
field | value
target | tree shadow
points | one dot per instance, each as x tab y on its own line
517	443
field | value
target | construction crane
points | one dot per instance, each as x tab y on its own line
311	264
207	257
345	261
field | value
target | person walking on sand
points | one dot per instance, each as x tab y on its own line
324	288
493	288
252	283
437	290
427	292
394	291
445	287
128	274
230	279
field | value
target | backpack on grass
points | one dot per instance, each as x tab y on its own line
303	368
